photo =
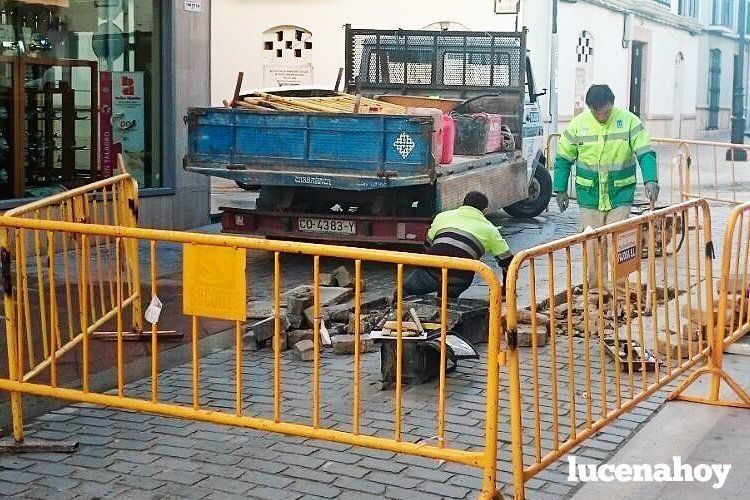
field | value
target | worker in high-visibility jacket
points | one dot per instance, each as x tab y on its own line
462	232
604	143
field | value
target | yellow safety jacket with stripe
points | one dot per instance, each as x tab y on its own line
605	157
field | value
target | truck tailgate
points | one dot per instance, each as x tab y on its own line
358	152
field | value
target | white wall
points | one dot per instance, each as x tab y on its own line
237	26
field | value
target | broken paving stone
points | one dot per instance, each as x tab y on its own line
260	309
344	344
304	350
525	336
296	336
248	341
673	345
342	277
297	301
326	279
338	313
336	329
524	317
264	330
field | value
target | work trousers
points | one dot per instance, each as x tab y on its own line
594	218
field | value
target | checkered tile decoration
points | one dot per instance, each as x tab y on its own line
287	42
585	47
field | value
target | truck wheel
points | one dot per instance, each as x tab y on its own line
246	186
540	192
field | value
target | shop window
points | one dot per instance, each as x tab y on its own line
87	77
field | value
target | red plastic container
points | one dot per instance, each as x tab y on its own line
449	138
437	132
478	133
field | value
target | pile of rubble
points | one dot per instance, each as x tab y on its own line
297	316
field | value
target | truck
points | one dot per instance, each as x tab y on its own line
373	178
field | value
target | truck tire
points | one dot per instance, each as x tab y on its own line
246	186
540	192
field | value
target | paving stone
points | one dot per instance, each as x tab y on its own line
297	449
95	451
217	459
181	477
44	493
173	463
172	451
312	475
337	456
136	457
406	494
122	444
366	452
427	474
223	484
12	488
267	493
16	463
393	479
94	475
55	469
381	465
340	469
363	485
89	462
315	488
177	491
94	440
253	464
264	479
18	477
58	483
444	490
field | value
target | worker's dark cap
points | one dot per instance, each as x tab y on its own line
476	199
599	95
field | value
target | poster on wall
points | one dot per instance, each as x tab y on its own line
280	75
123	128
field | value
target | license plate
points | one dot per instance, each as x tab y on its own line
333	226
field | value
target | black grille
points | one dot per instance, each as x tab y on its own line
404	59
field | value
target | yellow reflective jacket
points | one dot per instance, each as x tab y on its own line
605	157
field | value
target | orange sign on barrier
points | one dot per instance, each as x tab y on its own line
628	252
214	283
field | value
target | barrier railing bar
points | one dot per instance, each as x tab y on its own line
571	363
196	395
84	310
277	337
399	350
154	336
316	343
357	334
475	459
120	360
553	350
443	355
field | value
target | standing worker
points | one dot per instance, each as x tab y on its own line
462	232
604	143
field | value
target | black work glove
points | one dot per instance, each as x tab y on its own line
504	264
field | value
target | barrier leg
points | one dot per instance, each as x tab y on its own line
17	444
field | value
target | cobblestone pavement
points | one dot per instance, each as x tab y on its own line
133	455
130	455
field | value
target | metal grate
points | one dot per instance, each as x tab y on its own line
403	59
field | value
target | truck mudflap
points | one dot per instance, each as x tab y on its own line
341	228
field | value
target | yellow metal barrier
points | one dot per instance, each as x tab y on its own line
699	169
639	291
111	201
732	314
215	280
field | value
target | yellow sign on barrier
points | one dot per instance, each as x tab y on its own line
214	282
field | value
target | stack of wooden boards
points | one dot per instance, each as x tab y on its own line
338	103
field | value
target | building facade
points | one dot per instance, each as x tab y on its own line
81	82
655	54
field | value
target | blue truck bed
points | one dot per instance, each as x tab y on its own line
355	152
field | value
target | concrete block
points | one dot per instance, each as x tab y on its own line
296	336
304	350
344	344
327	279
264	329
342	277
297	301
259	309
526	335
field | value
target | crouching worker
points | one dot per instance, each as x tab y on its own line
462	232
